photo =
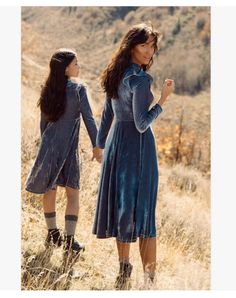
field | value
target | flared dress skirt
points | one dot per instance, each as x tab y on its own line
57	161
128	185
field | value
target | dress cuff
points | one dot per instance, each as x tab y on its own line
159	107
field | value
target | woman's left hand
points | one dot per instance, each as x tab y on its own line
97	154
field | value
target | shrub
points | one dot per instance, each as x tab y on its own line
171	10
177	28
200	24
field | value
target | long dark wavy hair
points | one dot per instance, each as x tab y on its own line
53	93
113	73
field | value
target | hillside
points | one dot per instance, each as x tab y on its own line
182	135
96	31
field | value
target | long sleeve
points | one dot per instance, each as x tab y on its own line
106	121
87	116
43	123
143	117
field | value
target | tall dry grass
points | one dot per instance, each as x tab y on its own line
183	225
182	135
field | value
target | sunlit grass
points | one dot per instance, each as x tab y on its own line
183	221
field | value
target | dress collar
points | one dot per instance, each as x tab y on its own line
136	66
135	70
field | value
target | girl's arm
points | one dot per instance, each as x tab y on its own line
143	117
87	116
106	121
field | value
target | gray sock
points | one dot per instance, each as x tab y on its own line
70	224
50	220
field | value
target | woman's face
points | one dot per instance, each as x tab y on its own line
142	53
72	69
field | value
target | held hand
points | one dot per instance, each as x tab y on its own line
97	154
167	89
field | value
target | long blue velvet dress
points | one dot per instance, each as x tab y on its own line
129	178
57	161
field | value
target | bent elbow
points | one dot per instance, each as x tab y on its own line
141	126
141	130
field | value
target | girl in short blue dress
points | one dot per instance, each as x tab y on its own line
129	179
62	103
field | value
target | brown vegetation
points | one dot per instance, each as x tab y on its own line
182	136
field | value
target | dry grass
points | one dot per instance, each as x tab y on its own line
183	210
183	252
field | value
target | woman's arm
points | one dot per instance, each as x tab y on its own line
143	117
106	121
87	115
43	123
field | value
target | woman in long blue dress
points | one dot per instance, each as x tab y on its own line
62	102
129	179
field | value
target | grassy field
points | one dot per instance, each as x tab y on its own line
183	221
182	134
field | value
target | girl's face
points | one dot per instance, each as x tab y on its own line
72	69
142	53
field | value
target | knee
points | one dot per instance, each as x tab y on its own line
72	195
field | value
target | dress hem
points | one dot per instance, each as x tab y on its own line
58	184
123	240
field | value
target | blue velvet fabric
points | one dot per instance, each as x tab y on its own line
57	160
129	179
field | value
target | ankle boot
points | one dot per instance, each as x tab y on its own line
71	245
53	239
149	278
123	279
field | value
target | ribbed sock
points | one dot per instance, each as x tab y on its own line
50	219
70	224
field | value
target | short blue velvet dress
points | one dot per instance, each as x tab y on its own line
57	160
128	186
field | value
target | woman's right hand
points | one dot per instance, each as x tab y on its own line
97	154
167	89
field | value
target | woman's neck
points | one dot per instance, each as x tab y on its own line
135	62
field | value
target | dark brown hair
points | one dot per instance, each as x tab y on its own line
53	93
113	73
